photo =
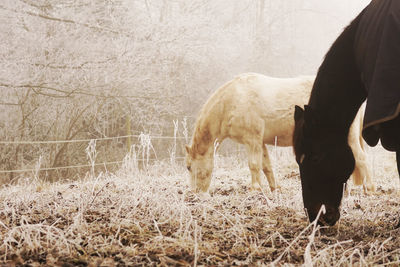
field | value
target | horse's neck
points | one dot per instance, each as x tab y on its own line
338	90
336	104
203	140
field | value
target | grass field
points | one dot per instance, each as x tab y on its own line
135	218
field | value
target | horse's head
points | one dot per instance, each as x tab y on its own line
200	169
325	161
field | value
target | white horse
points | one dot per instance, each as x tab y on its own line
255	110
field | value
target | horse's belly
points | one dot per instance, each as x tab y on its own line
279	132
279	140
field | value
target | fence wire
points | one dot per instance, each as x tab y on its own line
81	141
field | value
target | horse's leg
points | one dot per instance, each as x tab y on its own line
362	175
398	170
267	169
254	152
362	172
398	161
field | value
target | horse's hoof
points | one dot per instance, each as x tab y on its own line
275	188
195	195
256	188
204	195
369	190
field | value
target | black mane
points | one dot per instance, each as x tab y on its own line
338	91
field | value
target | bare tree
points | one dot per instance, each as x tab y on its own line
93	69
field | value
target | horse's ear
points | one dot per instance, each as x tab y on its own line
298	113
188	149
307	108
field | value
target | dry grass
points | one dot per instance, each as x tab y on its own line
148	218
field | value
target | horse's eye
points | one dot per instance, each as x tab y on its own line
302	158
188	167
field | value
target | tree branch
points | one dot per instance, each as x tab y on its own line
9	104
69	21
75	92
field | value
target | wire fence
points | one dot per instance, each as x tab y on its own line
144	139
84	140
60	168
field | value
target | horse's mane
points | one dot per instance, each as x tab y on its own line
210	113
202	135
338	90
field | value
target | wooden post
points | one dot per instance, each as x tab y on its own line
128	132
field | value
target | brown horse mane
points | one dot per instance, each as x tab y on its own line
205	132
201	139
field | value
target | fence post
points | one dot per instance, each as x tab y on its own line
128	133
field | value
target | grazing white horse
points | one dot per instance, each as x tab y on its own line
255	110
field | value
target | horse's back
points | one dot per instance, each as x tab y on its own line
377	54
272	93
264	104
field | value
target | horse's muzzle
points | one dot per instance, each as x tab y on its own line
327	218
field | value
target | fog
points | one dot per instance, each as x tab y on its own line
93	69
